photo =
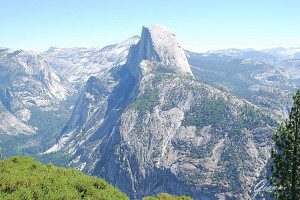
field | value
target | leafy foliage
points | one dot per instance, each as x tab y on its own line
164	196
24	178
286	156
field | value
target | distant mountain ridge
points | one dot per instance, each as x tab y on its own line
280	52
28	81
150	117
78	64
33	100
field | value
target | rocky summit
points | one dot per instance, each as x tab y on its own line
148	126
158	43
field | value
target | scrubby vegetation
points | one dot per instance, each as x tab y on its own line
208	112
147	101
164	196
150	97
25	178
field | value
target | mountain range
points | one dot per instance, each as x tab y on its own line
149	116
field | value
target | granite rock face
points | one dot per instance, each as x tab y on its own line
27	83
148	126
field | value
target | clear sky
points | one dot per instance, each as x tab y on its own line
198	24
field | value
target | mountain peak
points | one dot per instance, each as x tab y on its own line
158	43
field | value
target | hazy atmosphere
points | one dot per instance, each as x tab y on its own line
199	25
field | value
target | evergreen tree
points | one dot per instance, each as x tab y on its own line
286	156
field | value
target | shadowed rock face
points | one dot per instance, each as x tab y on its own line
148	127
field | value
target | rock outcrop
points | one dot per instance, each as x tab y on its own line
149	127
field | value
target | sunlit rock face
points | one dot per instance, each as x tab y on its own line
158	43
148	127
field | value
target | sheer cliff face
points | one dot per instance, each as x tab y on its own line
158	43
148	126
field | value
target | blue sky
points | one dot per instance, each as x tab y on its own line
198	24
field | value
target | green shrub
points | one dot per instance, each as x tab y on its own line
25	178
164	196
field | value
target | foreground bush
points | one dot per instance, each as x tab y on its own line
25	178
164	196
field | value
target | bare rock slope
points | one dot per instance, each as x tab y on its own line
148	126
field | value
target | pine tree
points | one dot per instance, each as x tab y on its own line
286	156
